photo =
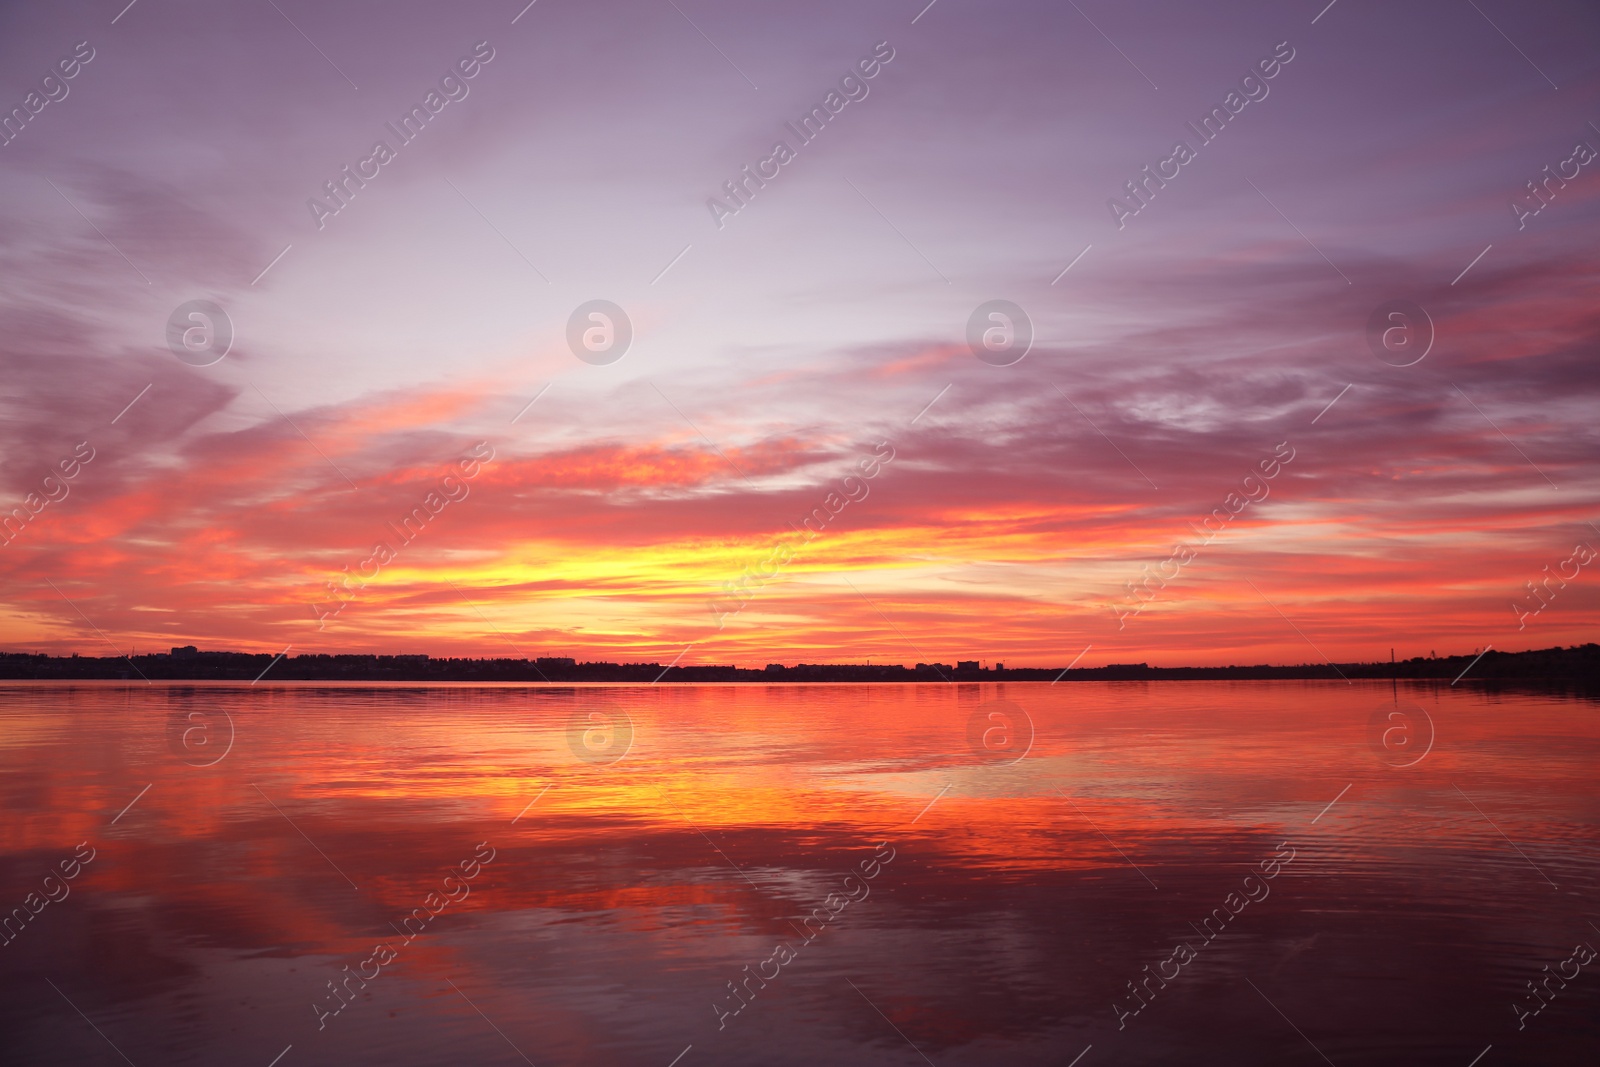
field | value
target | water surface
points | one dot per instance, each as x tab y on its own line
956	874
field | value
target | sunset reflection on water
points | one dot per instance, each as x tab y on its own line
649	844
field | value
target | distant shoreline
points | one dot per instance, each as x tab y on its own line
1577	663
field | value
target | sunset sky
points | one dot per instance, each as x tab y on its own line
823	324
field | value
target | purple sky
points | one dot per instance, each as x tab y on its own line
819	319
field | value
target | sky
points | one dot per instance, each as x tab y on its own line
418	342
